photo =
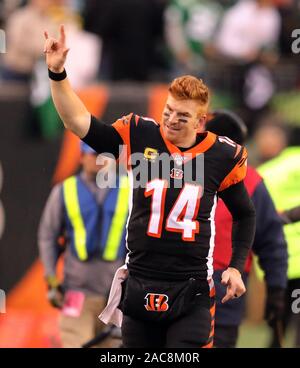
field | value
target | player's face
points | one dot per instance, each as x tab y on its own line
181	121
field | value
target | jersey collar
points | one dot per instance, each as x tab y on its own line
201	147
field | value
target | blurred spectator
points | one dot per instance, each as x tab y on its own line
270	139
89	223
247	29
282	178
25	43
130	30
245	46
258	86
7	7
24	59
190	27
82	71
84	56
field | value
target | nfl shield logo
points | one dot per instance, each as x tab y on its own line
178	159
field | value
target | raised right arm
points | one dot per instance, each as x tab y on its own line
102	137
70	108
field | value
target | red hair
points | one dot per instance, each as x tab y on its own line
188	87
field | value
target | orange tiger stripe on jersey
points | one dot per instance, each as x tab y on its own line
122	126
238	150
208	346
212	312
212	331
237	174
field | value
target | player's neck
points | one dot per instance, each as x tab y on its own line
199	139
186	143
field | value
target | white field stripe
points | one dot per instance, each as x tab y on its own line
212	239
130	205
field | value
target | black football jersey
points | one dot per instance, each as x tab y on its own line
171	229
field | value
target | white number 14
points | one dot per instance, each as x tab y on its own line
182	217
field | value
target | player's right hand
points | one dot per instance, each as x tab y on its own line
56	51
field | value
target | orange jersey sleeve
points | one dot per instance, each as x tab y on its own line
122	126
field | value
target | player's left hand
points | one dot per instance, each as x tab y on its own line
235	285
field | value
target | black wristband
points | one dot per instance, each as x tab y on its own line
57	76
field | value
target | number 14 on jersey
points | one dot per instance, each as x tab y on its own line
182	217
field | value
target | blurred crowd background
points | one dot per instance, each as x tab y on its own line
242	49
123	54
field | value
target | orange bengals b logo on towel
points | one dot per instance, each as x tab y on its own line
156	302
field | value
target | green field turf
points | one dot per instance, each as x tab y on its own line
258	336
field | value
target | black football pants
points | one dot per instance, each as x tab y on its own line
195	329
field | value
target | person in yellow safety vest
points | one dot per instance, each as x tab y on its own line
92	221
282	178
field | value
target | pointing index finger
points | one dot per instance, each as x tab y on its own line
62	34
46	35
229	295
